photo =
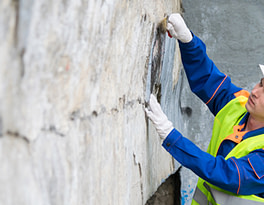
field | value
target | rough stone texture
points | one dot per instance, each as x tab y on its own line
74	78
233	33
169	192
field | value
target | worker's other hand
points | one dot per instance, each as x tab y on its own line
159	119
178	29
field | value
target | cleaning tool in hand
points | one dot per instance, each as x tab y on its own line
163	26
176	27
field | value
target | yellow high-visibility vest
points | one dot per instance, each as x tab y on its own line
226	125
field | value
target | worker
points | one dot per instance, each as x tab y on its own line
232	169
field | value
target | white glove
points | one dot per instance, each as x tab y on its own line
159	119
178	29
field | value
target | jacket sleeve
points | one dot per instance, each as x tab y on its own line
240	176
206	81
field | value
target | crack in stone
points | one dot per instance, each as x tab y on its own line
140	175
17	135
16	8
54	130
123	104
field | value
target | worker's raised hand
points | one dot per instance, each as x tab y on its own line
159	119
178	29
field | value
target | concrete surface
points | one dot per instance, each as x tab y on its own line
74	78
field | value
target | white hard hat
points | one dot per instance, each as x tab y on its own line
261	68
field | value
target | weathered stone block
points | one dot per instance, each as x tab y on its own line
73	88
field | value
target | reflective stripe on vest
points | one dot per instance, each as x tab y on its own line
221	198
200	198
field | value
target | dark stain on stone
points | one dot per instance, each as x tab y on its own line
22	53
141	183
187	111
169	192
156	62
75	115
94	113
122	100
114	111
143	18
158	91
140	101
158	51
140	175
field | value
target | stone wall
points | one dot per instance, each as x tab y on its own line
74	76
